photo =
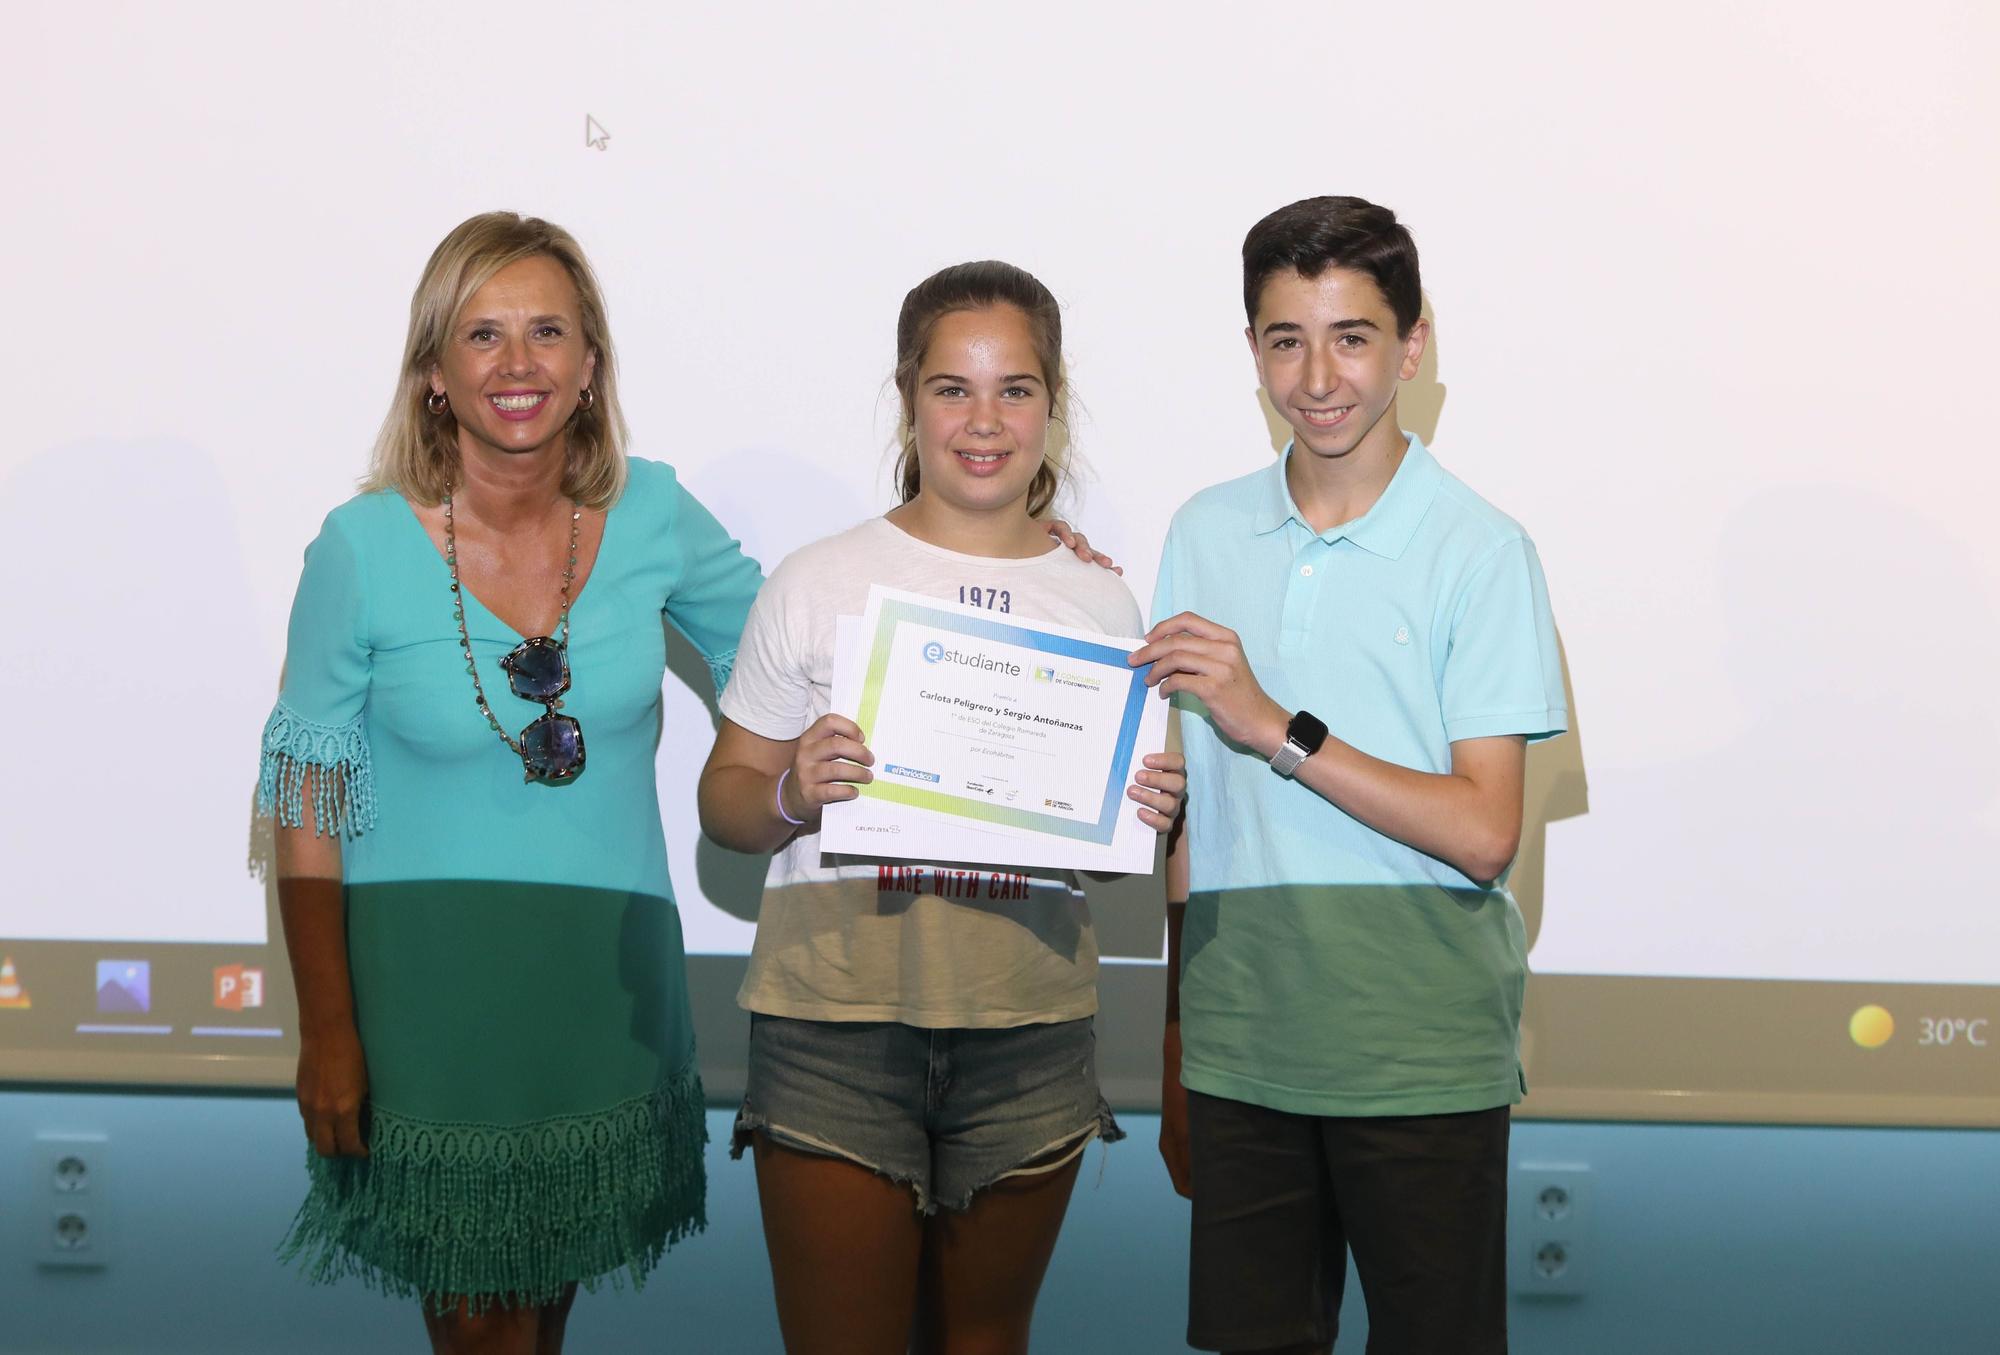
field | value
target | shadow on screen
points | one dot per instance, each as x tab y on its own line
1556	787
730	880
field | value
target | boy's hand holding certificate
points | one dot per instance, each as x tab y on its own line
995	740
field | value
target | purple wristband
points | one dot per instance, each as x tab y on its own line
779	800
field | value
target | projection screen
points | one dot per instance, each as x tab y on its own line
1713	289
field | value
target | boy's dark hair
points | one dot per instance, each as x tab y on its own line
1316	234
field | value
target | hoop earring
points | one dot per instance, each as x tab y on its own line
586	398
437	402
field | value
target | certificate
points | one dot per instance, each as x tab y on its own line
995	740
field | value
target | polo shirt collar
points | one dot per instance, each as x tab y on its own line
1385	529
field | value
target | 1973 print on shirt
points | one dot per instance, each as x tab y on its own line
905	623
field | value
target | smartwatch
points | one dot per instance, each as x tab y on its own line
1303	736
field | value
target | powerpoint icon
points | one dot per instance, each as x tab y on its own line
237	987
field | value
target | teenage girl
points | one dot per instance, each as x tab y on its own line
922	1080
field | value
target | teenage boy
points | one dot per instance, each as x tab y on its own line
1361	648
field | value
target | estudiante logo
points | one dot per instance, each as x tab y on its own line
935	652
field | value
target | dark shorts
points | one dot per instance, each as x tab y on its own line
1280	1198
945	1112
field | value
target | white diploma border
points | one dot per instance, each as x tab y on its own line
910	823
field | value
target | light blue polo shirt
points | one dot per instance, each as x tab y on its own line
1327	969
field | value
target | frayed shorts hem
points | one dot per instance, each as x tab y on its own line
1046	1159
946	1112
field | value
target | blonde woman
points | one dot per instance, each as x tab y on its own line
497	1067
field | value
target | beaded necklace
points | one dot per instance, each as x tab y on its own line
554	702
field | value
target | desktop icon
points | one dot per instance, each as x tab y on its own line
237	987
1871	1026
12	994
124	987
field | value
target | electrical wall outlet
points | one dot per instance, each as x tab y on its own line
1550	1243
69	1212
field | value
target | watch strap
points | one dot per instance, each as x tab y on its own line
1303	737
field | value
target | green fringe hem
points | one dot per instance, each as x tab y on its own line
509	1214
330	759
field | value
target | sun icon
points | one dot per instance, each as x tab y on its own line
1871	1026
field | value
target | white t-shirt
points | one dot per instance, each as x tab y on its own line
899	940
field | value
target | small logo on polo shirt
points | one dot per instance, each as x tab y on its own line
1402	635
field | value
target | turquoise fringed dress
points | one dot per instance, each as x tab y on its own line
536	1112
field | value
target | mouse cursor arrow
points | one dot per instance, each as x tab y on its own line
594	135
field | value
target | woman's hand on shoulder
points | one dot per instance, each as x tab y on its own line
1080	543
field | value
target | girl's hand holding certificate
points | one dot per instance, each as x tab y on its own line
830	763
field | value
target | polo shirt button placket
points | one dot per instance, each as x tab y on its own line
1296	625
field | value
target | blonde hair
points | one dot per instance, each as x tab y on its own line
416	453
976	287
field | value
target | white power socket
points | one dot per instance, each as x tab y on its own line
1551	1244
69	1213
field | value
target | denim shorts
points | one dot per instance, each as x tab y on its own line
945	1112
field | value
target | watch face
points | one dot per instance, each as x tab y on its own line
1307	731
